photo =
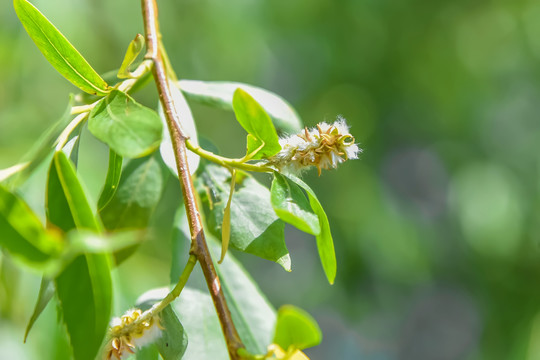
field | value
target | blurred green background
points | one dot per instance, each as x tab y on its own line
435	227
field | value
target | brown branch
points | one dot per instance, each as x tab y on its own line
199	247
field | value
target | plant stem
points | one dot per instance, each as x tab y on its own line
199	247
174	293
158	307
227	162
64	136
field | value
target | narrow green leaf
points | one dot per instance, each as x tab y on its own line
134	49
46	292
263	141
255	227
22	233
84	286
220	94
58	50
226	224
130	129
325	244
84	289
292	206
173	341
187	125
71	149
67	205
138	193
295	328
112	180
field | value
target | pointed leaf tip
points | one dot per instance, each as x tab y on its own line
60	53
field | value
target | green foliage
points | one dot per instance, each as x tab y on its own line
84	286
84	290
262	139
129	128
138	193
252	314
46	292
114	173
75	249
325	244
58	50
23	234
196	310
220	94
255	228
173	341
134	49
67	205
291	205
296	329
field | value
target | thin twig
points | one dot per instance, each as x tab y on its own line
199	248
173	294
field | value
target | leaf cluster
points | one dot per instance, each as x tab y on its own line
81	241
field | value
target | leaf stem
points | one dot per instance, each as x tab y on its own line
64	136
171	296
228	162
199	247
175	292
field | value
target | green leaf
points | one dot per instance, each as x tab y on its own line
292	206
187	125
138	193
255	227
130	129
22	233
112	180
296	329
84	286
226	222
220	94
147	353
67	205
252	314
262	138
58	50
173	341
196	310
46	292
325	244
84	289
134	49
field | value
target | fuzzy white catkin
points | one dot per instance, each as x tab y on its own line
324	147
126	338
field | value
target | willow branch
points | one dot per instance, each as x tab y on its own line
199	247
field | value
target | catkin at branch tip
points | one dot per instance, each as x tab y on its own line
324	147
125	338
